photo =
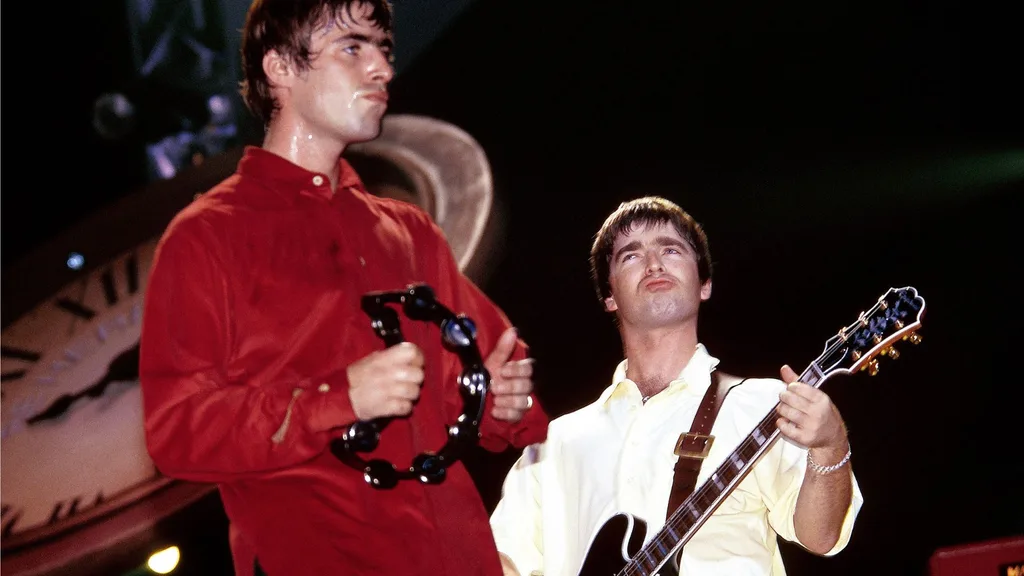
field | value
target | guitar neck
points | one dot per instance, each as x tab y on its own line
698	507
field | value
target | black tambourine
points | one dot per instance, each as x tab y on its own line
458	335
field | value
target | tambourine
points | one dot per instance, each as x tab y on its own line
458	335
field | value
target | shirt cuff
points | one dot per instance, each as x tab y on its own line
328	404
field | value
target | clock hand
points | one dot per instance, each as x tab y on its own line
124	367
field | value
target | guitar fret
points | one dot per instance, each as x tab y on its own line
705	498
736	461
758	437
649	563
750	449
661	547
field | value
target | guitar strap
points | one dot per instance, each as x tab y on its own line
693	446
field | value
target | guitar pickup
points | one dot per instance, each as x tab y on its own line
695	446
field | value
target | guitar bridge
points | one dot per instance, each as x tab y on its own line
696	446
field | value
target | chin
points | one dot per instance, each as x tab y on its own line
361	135
664	312
361	130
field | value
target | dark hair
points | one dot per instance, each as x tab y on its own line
286	26
645	212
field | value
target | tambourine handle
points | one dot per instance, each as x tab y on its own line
391	337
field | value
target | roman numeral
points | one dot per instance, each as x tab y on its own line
12	375
131	274
108	284
69	305
10	518
16	354
63	510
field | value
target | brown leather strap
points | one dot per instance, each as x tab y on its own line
694	446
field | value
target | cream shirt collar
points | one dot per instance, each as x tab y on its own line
696	373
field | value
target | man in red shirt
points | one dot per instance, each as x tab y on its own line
255	354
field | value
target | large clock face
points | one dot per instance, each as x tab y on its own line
73	442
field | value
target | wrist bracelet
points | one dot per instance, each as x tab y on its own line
822	470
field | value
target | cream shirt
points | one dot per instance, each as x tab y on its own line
616	455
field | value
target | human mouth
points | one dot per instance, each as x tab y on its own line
657	284
380	96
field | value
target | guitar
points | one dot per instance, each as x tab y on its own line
618	548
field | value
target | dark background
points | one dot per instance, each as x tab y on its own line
832	151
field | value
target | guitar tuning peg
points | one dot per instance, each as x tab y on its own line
891	352
872	367
914	338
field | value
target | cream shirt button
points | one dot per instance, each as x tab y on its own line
318	180
323	387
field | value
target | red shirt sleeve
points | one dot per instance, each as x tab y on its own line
202	423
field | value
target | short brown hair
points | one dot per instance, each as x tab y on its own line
645	212
286	26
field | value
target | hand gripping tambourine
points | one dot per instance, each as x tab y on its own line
458	335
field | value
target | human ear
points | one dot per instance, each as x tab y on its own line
277	68
610	305
705	290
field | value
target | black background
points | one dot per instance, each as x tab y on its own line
832	150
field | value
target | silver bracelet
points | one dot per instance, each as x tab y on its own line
822	470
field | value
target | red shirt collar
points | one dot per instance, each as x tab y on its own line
262	164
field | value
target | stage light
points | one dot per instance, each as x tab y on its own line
75	261
164	561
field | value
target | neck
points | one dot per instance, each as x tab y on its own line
656	357
300	144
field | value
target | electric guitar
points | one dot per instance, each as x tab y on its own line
618	548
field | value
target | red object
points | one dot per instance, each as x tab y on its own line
1001	557
252	317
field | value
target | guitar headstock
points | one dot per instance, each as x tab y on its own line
895	317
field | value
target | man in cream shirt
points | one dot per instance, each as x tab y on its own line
652	269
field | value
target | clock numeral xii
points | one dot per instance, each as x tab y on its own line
109	286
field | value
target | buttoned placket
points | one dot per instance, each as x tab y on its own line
630	494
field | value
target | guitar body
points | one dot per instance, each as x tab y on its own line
619	539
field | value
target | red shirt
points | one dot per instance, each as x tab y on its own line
252	316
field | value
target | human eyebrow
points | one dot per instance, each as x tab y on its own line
670	241
627	247
386	42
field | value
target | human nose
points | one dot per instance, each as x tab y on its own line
380	68
654	263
